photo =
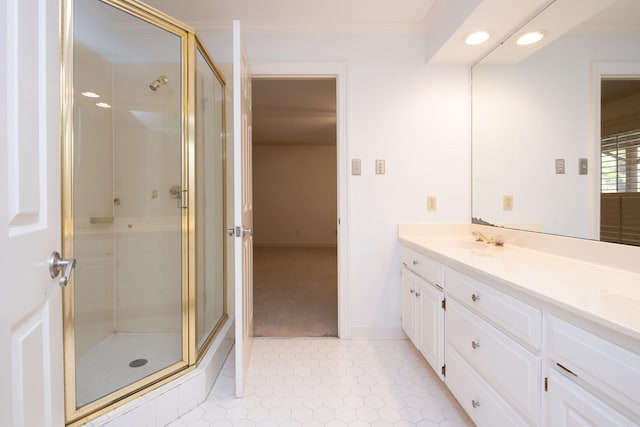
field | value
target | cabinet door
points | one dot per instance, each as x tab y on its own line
571	405
430	324
409	304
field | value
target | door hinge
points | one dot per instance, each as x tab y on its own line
444	303
184	200
444	370
546	384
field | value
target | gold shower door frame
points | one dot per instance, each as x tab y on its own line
190	354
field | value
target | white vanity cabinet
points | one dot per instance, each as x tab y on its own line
530	339
583	365
422	306
487	329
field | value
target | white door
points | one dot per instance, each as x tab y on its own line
31	385
242	208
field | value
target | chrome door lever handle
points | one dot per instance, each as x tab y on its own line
57	264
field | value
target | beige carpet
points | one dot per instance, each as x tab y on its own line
295	292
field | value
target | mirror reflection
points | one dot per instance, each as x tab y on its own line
545	114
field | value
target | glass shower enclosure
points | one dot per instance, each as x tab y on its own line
143	201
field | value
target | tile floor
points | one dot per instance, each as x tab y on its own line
330	382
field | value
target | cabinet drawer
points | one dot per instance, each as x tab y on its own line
612	369
511	369
509	314
479	400
430	270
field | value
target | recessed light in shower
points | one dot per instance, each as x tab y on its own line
90	94
103	105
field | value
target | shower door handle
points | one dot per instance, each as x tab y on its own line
58	264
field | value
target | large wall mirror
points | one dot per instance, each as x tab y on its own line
556	125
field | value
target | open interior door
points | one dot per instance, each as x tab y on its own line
242	208
32	384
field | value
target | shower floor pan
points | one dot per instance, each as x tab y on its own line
119	360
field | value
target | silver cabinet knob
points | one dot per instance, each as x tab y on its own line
247	231
475	298
413	291
475	403
414	262
57	264
417	294
475	345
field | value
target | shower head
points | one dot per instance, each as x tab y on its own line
162	80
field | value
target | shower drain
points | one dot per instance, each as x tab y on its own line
137	363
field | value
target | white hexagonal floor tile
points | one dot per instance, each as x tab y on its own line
315	382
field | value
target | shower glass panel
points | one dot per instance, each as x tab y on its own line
210	221
126	191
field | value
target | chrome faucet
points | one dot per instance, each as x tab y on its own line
482	238
496	240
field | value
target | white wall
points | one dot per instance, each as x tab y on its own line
93	197
147	224
128	276
294	195
399	109
527	115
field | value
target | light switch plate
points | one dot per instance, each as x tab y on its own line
379	167
560	166
356	167
432	203
583	166
507	203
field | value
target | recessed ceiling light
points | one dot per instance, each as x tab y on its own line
90	94
477	37
530	38
103	105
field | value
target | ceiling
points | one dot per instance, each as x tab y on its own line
304	108
307	107
376	16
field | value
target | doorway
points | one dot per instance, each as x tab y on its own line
295	206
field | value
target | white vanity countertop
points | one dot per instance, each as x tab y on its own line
607	296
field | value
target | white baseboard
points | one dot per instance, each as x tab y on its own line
294	245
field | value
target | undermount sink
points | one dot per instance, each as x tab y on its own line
460	243
470	244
